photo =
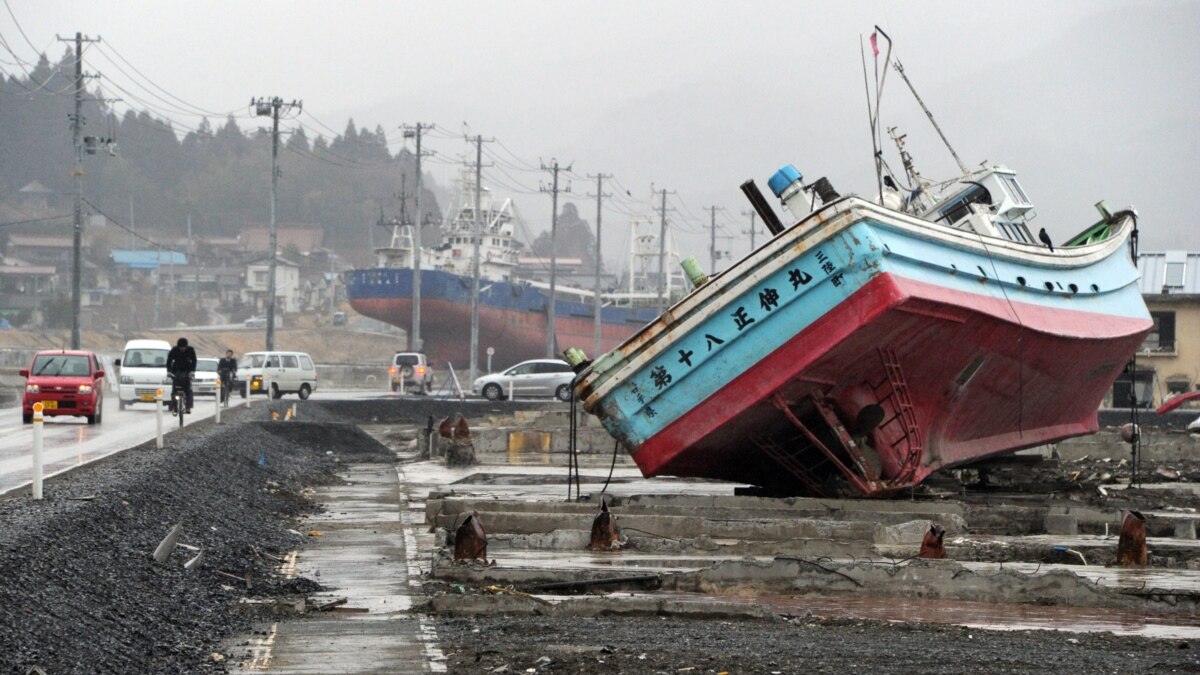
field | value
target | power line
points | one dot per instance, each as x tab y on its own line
118	223
166	105
35	220
18	24
108	46
319	122
528	165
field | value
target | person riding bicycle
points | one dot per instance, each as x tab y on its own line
181	364
227	371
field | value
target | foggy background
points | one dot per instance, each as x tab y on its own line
1085	100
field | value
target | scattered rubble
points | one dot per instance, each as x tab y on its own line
636	576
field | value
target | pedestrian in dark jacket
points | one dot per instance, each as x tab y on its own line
227	371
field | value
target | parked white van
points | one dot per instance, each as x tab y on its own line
143	371
282	372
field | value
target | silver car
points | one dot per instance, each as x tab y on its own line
204	382
540	377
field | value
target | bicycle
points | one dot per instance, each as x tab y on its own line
227	385
179	394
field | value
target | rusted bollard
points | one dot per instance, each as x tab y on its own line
470	541
460	451
1131	547
931	545
606	534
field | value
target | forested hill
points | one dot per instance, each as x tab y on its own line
213	166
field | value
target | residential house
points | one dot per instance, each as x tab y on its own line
24	286
39	249
35	195
287	285
1169	360
144	266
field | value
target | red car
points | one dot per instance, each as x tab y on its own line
67	382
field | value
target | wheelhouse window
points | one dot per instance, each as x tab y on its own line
1014	231
1014	187
960	206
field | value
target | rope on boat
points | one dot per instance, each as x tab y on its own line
1135	443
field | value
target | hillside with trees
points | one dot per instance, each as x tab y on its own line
217	172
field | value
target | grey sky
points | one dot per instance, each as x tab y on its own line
1086	100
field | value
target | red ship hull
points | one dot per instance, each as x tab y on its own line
1046	376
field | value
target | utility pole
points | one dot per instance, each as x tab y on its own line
77	122
477	239
750	232
712	247
551	320
662	255
596	292
414	338
264	107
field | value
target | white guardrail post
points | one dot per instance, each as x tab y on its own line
37	450
158	417
217	398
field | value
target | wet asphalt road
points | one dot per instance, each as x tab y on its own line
70	442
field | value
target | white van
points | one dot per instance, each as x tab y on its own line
282	372
143	371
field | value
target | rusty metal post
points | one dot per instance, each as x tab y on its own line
1131	547
931	545
470	540
606	534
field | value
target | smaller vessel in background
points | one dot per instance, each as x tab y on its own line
513	312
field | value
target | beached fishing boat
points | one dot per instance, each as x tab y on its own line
868	344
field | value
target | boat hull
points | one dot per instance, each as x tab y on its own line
512	316
862	348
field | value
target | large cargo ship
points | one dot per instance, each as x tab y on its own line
513	312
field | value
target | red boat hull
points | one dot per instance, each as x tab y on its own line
1039	375
516	336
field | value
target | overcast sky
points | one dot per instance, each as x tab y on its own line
1085	100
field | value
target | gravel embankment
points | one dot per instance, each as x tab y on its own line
79	589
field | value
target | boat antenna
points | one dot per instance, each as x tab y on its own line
876	136
871	116
900	69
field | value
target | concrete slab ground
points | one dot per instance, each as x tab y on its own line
364	552
714	554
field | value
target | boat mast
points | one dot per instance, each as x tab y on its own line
900	69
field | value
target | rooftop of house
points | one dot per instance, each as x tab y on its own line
303	238
148	259
44	241
1169	273
35	187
